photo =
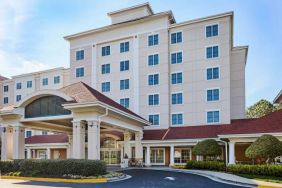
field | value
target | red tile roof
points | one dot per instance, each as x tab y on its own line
44	139
81	92
3	78
271	123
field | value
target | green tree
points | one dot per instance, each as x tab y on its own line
261	108
207	148
266	146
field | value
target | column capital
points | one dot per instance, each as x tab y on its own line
138	136
92	123
127	136
78	123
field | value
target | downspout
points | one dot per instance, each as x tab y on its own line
226	156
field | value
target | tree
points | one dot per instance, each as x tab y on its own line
206	148
261	108
266	146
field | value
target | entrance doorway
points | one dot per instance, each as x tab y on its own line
109	151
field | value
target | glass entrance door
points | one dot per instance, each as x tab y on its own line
110	156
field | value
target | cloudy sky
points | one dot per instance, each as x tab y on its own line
31	33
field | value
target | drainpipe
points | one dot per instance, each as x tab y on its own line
226	156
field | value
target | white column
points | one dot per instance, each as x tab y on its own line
121	153
127	146
138	146
93	140
18	142
231	153
69	149
171	155
28	153
148	155
7	143
48	153
78	140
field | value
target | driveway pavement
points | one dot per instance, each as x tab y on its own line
140	179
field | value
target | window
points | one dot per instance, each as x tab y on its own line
6	100
124	47
6	88
157	156
18	98
106	50
212	52
124	65
79	55
181	155
45	81
176	98
153	40
29	84
176	78
212	73
176	58
153	59
44	132
28	134
153	99
106	69
213	116
176	38
79	72
177	119
153	79
212	30
124	84
19	85
124	102
106	86
56	79
212	94
154	119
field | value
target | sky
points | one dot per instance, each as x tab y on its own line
31	33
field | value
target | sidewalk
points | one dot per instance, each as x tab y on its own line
222	177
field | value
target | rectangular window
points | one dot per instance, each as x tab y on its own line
153	99
213	116
18	98
177	119
153	40
44	132
124	102
28	134
6	88
177	98
182	155
124	47
56	79
176	58
176	78
124	84
19	85
80	72
6	100
80	55
106	69
212	73
45	81
153	59
212	94
106	50
106	86
212	30
212	52
153	79
29	84
176	38
157	156
154	119
124	65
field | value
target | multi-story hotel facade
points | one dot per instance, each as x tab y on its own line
145	86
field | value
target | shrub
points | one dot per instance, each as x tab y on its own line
206	165
264	170
206	148
266	146
54	168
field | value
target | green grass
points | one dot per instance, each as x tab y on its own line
272	179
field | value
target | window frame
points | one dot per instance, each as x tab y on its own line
148	99
153	54
125	99
171	119
176	32
123	61
219	94
104	82
213	67
44	83
176	72
105	47
153	74
177	92
79	57
106	65
212	46
153	35
81	68
212	35
176	52
219	116
154	114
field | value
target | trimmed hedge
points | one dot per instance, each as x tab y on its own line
206	165
54	168
262	170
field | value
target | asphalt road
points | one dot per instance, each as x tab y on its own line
140	179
